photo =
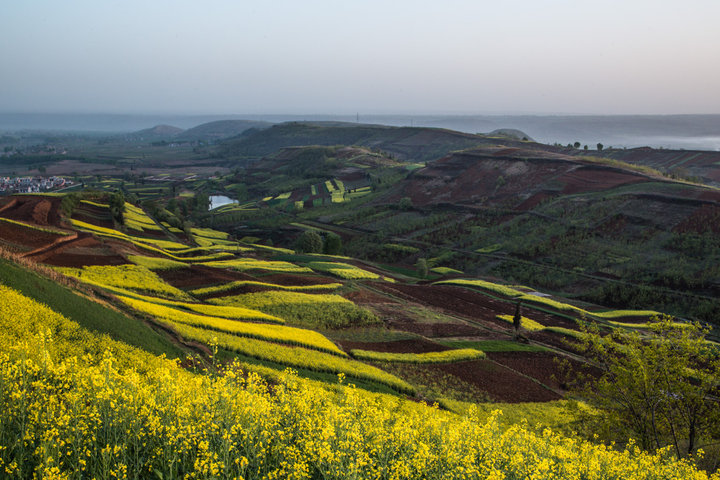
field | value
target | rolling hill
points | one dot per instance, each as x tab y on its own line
404	143
220	129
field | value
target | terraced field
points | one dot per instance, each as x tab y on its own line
276	308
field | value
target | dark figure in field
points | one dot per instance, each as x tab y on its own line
517	322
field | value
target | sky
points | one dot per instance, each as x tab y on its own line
370	56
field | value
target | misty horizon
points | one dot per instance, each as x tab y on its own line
692	132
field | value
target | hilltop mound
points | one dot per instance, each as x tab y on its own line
405	143
158	132
512	133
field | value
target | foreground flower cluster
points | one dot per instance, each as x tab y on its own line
73	405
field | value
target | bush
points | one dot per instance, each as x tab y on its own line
310	242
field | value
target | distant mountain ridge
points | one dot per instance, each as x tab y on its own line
221	129
211	131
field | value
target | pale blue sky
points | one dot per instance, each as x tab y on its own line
372	56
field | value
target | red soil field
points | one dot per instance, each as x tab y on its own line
396	316
366	297
79	252
419	345
79	260
541	366
592	179
30	209
148	234
469	304
19	238
196	276
434	330
105	223
501	383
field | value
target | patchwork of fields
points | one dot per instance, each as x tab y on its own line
315	365
318	314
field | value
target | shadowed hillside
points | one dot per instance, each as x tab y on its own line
413	144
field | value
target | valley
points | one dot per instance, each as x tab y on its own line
456	270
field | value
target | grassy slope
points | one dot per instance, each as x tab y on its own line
89	314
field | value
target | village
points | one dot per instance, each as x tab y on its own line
35	184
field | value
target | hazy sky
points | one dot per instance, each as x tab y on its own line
345	56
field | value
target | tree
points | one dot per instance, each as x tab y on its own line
405	203
117	207
517	320
421	267
576	145
659	388
333	244
599	147
69	202
310	242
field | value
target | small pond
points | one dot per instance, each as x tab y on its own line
220	200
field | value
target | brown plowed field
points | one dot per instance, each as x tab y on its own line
19	238
98	221
396	316
419	345
502	384
594	179
541	366
366	297
85	250
196	276
437	330
38	210
469	304
7	202
148	233
79	260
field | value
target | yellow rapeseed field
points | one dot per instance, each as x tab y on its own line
525	322
273	333
296	357
75	406
156	263
136	219
448	356
133	277
244	264
201	292
343	270
525	297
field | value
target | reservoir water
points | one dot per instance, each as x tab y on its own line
220	200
